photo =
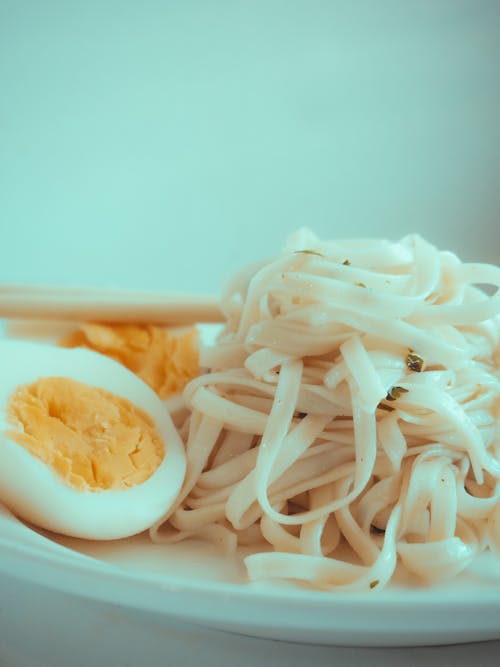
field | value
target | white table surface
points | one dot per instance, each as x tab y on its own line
163	145
41	628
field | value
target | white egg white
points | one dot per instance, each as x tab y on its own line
35	493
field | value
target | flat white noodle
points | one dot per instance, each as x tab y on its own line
347	421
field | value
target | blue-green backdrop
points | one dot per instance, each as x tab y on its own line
163	144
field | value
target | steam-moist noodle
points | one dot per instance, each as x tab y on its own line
349	417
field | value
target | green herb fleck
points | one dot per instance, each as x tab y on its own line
384	406
308	252
414	362
374	583
346	262
395	392
360	284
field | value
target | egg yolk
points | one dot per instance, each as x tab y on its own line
90	437
164	361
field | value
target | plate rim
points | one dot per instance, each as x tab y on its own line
163	594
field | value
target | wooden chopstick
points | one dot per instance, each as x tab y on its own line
106	305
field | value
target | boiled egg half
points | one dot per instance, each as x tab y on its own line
87	449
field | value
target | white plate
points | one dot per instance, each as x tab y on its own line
194	582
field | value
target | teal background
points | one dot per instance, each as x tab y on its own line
163	144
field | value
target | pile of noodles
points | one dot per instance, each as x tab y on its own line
348	419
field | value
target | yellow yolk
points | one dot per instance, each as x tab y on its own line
92	438
163	361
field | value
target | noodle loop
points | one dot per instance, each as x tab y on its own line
348	420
